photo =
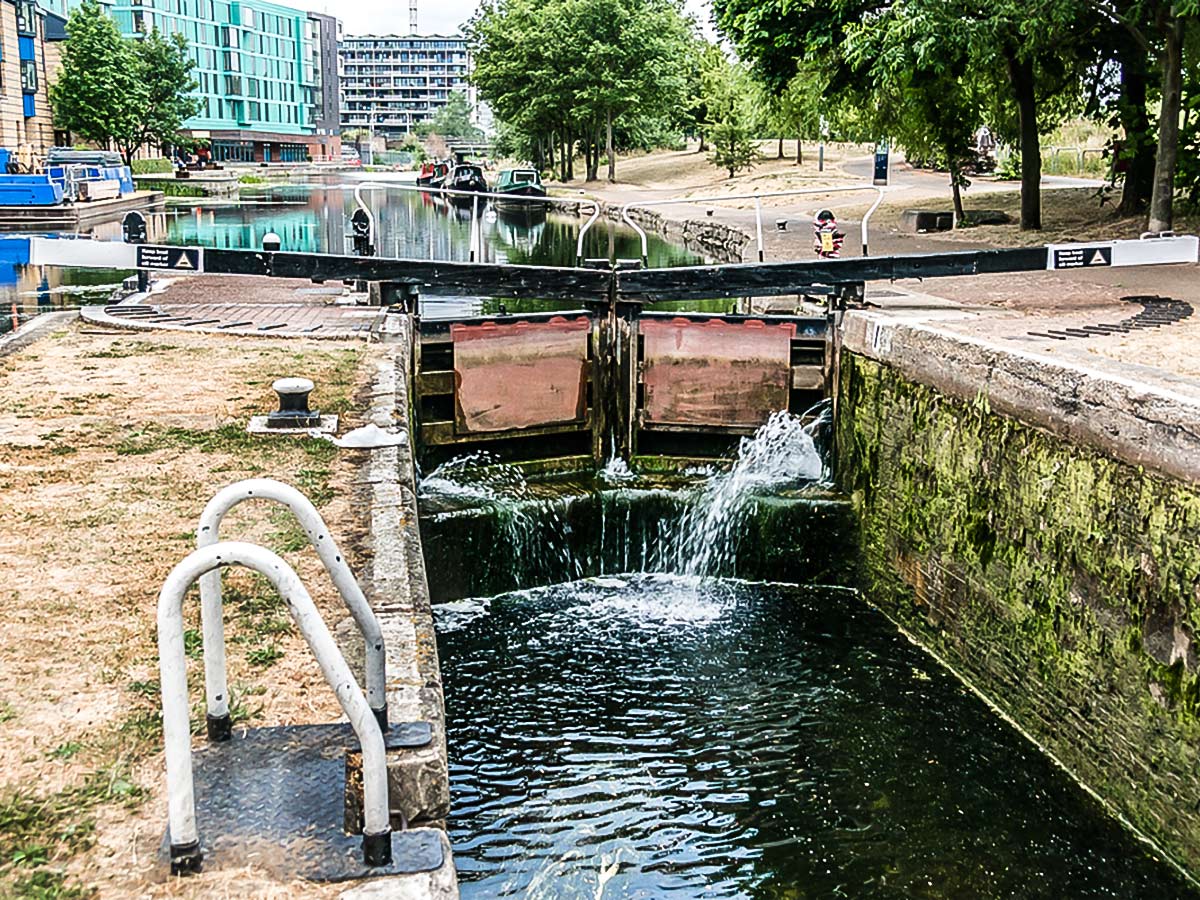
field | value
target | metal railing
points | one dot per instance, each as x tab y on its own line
476	250
757	198
212	621
185	852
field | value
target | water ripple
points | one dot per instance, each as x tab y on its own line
654	736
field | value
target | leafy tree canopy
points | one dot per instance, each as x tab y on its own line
120	92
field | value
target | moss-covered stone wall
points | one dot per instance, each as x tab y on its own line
1062	584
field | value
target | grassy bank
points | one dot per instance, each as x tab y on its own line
109	447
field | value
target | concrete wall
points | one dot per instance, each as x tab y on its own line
1059	578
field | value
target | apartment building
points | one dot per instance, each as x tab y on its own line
28	58
267	74
392	82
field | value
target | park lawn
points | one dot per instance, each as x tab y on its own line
110	445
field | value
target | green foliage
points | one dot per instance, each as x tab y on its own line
121	93
165	71
732	117
412	144
98	89
453	120
563	72
158	165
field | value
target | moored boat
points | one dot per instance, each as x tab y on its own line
519	187
466	177
433	175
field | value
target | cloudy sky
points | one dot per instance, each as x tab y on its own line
433	16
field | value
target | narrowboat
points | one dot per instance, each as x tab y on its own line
519	187
466	177
433	175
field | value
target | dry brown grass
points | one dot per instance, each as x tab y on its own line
109	447
689	172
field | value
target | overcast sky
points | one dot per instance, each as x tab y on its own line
437	17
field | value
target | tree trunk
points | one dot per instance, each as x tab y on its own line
612	153
779	155
702	146
1139	145
570	153
550	147
1021	74
1163	192
799	151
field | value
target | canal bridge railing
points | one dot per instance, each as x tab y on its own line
614	373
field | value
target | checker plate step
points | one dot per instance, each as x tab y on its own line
272	798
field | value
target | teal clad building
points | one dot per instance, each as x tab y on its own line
267	74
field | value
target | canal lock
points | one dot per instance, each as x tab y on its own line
675	683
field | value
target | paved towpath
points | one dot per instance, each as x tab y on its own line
244	305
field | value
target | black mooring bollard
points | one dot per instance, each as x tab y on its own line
293	409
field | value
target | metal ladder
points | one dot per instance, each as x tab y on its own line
367	719
208	533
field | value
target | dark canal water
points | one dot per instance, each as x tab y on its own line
313	218
656	736
676	732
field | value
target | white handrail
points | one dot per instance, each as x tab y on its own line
416	188
185	852
757	198
212	621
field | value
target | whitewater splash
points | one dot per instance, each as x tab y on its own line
781	454
480	480
698	534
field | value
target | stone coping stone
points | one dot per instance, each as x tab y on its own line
1140	422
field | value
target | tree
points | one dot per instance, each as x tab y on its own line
1025	55
574	75
1160	27
121	93
98	88
732	116
452	120
165	72
797	110
923	92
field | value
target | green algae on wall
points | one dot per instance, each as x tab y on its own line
1064	585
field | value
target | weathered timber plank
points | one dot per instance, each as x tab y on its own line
808	378
433	277
773	279
444	432
435	383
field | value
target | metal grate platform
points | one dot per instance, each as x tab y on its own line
273	798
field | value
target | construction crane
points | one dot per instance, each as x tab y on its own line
412	16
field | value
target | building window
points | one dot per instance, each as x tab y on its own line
29	79
27	17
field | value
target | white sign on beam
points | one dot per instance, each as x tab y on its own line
1146	252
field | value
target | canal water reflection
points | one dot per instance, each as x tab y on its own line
313	217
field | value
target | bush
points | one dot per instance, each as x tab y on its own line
156	166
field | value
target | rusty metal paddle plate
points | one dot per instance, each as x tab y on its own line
514	375
272	798
715	372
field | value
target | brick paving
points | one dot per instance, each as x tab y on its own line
252	305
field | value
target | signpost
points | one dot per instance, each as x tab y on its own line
881	163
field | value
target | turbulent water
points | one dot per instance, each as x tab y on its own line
781	454
699	532
683	734
659	736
